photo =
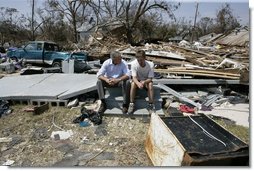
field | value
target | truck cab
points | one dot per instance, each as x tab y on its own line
39	52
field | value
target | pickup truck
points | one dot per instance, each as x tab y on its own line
39	52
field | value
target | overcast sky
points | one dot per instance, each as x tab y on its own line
207	8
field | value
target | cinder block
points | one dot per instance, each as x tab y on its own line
52	103
23	102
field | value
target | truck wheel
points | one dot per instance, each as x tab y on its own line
56	64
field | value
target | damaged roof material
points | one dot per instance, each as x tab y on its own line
238	37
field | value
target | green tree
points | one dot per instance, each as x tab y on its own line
54	27
12	26
135	10
131	13
205	25
73	10
225	20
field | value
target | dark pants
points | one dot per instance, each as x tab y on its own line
125	90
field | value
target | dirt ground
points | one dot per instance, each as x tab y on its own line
118	141
27	140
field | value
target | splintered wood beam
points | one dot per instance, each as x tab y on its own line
200	73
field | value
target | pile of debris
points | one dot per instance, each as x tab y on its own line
218	56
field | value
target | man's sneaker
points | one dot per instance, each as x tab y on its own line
151	108
102	107
131	108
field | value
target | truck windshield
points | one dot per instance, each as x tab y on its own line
31	46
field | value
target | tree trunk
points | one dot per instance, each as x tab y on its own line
33	31
74	24
129	36
75	32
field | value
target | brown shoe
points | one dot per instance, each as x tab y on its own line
124	110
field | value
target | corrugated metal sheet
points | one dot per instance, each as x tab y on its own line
236	38
214	38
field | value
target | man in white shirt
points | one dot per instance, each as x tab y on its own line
114	73
142	72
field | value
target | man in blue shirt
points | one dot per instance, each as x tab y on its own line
114	73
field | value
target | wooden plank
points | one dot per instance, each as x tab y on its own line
155	53
5	140
195	61
162	61
198	74
198	52
200	71
207	75
178	95
40	109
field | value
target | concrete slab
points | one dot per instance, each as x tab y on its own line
46	86
139	103
117	94
238	113
81	83
11	86
114	101
138	113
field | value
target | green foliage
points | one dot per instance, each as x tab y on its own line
140	20
225	19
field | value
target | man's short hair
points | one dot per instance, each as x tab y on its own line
115	54
141	53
